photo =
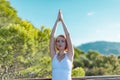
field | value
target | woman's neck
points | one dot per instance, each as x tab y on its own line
61	52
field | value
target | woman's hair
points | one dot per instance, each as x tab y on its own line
66	46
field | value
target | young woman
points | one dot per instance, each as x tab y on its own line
62	52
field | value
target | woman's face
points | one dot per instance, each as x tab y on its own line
60	43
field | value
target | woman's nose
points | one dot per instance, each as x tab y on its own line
60	42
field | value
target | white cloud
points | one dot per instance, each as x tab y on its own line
90	13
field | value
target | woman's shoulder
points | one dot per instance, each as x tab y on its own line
69	56
55	54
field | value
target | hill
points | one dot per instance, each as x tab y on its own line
103	47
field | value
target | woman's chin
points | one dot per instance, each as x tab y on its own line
61	49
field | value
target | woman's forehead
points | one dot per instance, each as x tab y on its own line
60	38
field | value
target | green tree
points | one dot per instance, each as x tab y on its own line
40	63
78	58
77	72
7	14
15	47
24	50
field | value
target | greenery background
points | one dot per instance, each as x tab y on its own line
24	51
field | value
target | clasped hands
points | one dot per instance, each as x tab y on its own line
60	17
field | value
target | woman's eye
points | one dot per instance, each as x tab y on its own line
63	41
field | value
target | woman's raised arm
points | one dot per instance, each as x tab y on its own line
69	43
52	39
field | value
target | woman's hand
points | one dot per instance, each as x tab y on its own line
59	18
60	15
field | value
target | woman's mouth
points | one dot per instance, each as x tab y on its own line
60	46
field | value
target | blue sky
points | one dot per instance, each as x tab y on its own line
86	20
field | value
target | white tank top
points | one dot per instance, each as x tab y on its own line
61	70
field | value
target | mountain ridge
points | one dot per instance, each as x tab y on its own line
104	47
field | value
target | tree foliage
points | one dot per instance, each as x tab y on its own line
78	72
7	14
24	49
94	63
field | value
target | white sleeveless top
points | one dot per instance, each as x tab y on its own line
61	70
